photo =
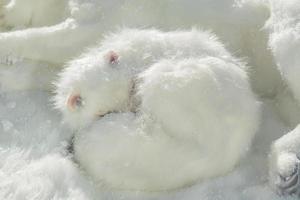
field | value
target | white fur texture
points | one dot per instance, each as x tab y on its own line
284	157
33	160
106	87
81	23
284	26
196	114
197	96
40	172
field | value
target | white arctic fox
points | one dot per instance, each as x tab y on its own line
76	24
284	26
189	111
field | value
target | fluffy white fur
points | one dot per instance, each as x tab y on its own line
195	111
284	161
33	160
106	87
284	27
284	41
81	23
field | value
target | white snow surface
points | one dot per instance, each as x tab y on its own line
34	163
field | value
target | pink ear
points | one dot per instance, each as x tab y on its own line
112	57
74	101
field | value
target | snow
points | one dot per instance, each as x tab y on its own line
35	165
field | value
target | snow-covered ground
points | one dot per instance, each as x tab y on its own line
34	163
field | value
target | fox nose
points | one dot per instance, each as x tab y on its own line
74	102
